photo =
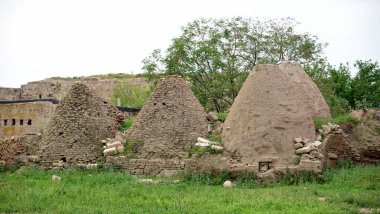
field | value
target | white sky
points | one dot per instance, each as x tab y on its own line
45	38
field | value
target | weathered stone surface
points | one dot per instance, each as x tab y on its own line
113	144
227	184
326	129
212	116
110	151
270	110
55	178
170	121
298	146
92	166
217	147
79	124
120	149
304	150
298	140
332	156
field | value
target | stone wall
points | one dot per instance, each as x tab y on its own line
10	93
20	149
20	118
57	89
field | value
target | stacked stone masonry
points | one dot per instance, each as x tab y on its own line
75	132
170	121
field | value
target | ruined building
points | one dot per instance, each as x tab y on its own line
276	104
75	132
170	121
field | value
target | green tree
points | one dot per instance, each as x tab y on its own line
131	94
216	55
366	85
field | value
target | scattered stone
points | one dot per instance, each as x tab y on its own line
298	146
227	184
212	116
321	199
120	149
326	129
176	181
318	138
110	151
147	181
202	144
332	156
92	166
303	150
209	129
316	154
33	158
113	144
216	147
320	131
104	141
298	140
317	144
55	178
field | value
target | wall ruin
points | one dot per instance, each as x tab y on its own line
19	118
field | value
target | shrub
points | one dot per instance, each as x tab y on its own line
222	116
127	123
318	122
131	94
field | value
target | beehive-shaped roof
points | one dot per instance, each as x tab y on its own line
170	121
269	111
79	124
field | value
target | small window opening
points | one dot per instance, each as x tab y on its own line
29	122
40	96
5	122
63	159
13	122
21	122
164	104
154	104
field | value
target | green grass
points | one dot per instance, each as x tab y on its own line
318	122
33	191
127	123
222	116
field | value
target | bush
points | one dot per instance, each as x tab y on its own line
127	123
222	116
318	122
130	94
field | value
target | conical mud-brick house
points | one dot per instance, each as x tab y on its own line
170	121
274	106
75	132
309	92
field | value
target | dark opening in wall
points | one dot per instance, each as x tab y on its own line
164	104
5	122
21	122
60	133
63	159
40	96
29	122
13	122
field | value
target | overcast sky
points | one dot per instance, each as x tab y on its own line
45	38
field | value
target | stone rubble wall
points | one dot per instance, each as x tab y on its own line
170	121
20	149
57	89
75	132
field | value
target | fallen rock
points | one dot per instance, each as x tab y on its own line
316	154
326	129
216	147
120	149
318	138
147	181
110	151
317	144
227	184
332	156
303	150
55	178
202	144
298	140
92	166
212	116
298	146
113	144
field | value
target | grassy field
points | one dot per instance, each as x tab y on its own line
33	191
